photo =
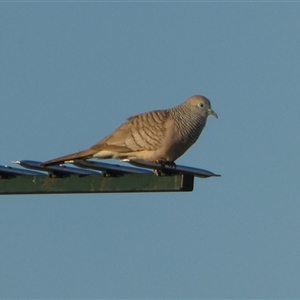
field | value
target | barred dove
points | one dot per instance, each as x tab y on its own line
159	136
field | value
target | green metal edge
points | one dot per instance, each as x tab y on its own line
127	183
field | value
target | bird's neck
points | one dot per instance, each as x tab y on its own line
189	122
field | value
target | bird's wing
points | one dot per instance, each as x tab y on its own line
141	132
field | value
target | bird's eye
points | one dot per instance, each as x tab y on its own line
201	104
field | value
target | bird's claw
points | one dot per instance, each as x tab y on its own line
164	172
165	163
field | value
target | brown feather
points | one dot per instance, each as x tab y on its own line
136	134
78	155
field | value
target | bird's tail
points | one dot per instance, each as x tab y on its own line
78	155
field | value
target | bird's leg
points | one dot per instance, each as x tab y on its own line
168	163
164	163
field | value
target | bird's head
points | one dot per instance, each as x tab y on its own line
202	105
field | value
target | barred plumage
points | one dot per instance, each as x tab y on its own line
161	135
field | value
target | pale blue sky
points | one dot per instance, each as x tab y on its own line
71	72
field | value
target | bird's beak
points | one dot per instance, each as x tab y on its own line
211	112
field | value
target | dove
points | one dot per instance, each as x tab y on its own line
159	136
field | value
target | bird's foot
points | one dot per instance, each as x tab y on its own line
164	163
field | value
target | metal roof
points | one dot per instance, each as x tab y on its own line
87	176
89	167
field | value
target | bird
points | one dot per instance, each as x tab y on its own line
159	136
